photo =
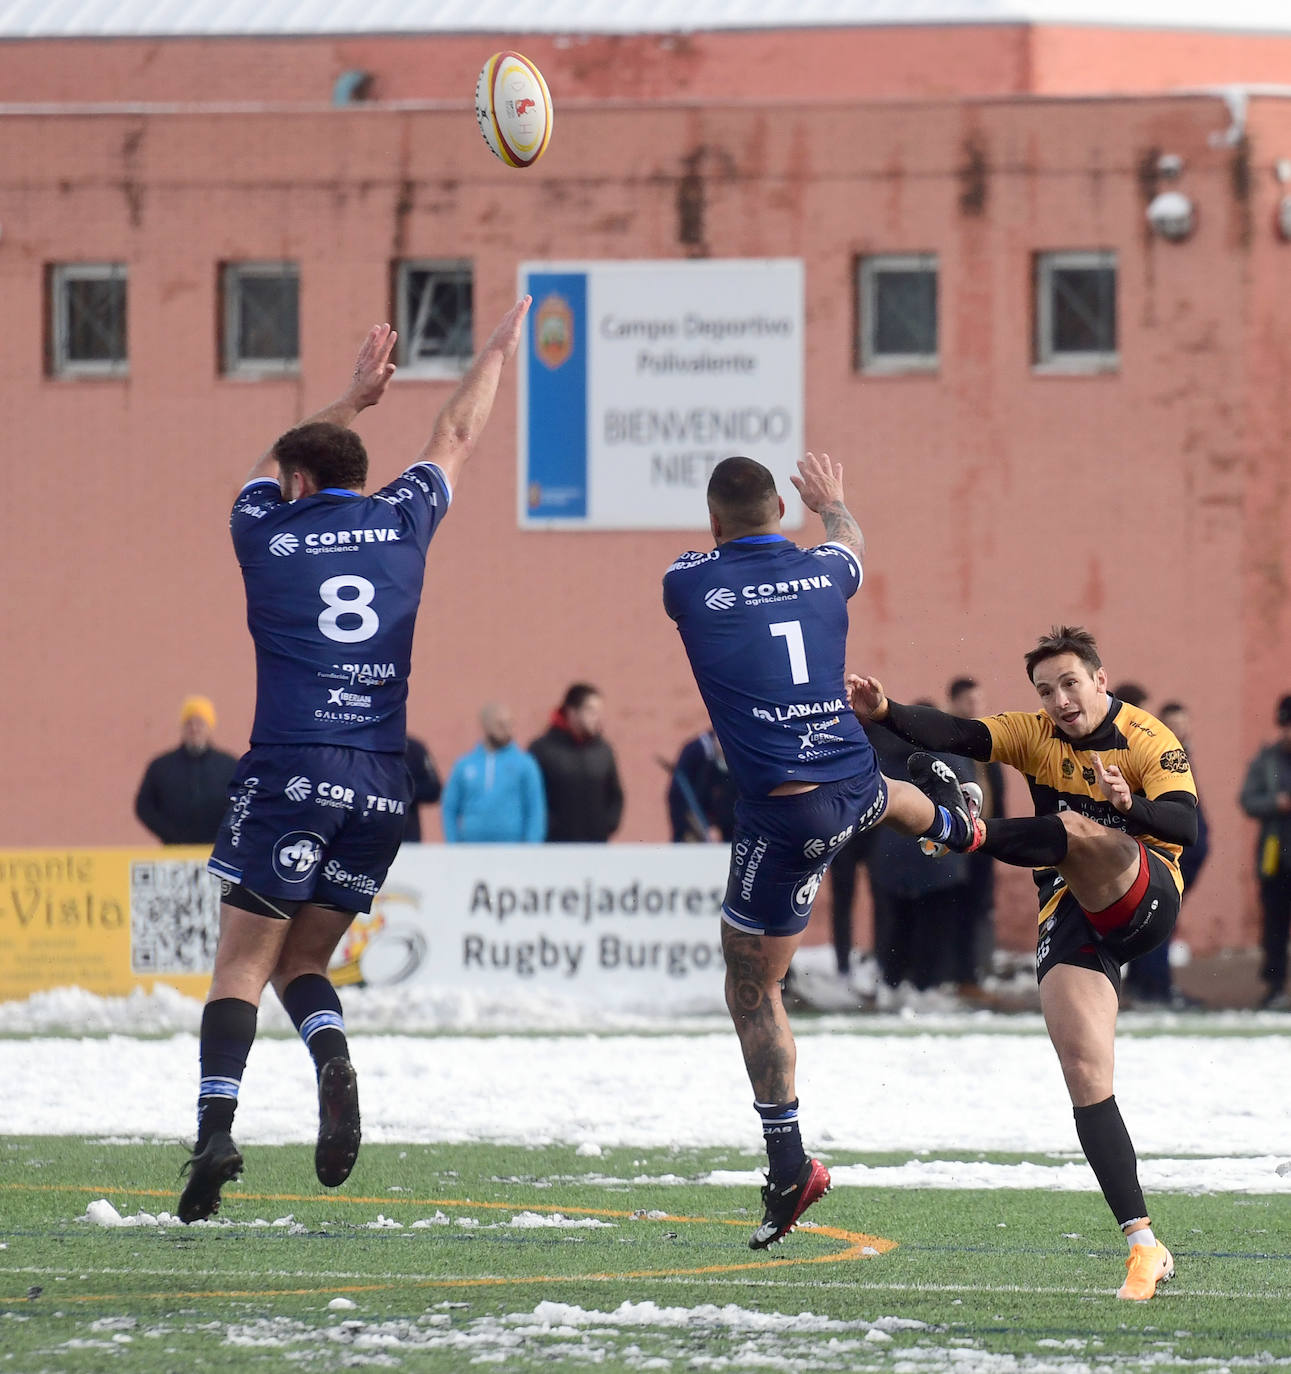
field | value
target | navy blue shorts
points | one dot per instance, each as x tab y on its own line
313	823
783	845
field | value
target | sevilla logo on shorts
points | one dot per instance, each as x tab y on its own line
296	855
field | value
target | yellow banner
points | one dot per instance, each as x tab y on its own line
106	920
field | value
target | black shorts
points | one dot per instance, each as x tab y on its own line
1068	936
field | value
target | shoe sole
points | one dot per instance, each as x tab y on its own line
196	1203
755	1244
339	1127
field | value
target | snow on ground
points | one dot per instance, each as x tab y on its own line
961	1085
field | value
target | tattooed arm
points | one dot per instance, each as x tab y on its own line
820	484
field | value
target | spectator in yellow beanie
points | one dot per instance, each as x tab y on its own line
184	794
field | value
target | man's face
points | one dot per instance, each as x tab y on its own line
588	718
1074	698
966	703
195	734
499	729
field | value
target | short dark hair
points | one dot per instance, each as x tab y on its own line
331	454
1132	693
1065	639
576	694
1283	713
742	493
1166	707
960	684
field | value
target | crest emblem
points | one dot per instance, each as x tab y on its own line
553	332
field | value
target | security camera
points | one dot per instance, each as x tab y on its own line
1172	216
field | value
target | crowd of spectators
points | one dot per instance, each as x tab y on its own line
933	922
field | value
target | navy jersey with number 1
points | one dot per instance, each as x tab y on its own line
764	624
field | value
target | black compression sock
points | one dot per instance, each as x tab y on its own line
1110	1153
315	1011
1027	841
228	1028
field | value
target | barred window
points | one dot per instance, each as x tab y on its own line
433	313
1075	297
88	319
261	318
897	313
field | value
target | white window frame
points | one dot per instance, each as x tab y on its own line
869	268
231	276
449	367
1048	359
61	275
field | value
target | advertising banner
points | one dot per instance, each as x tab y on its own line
624	927
106	920
636	378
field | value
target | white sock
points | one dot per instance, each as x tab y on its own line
1140	1232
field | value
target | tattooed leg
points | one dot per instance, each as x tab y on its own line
755	964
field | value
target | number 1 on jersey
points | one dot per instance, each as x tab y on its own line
791	632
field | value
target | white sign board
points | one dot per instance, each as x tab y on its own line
623	927
637	378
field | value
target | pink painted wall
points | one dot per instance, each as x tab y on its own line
1149	504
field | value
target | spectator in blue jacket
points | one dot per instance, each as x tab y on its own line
494	795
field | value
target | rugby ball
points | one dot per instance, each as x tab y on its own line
513	109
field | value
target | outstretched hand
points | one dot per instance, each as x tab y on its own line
819	483
1114	787
373	368
866	697
506	336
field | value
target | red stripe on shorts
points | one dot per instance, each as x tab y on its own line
1119	913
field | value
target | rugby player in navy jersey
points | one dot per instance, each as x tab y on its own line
317	806
764	624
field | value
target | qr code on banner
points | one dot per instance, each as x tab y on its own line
174	916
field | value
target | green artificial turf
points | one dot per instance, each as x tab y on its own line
999	1281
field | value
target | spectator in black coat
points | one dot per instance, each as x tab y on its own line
973	930
701	793
184	793
579	773
427	786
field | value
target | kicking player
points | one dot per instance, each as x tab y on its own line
764	624
1115	803
317	807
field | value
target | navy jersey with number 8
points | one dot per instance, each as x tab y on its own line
333	582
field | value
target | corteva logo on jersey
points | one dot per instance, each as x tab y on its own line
765	591
298	789
333	539
283	544
719	599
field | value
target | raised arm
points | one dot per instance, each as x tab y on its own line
459	424
372	372
820	484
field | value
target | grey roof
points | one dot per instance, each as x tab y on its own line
119	18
